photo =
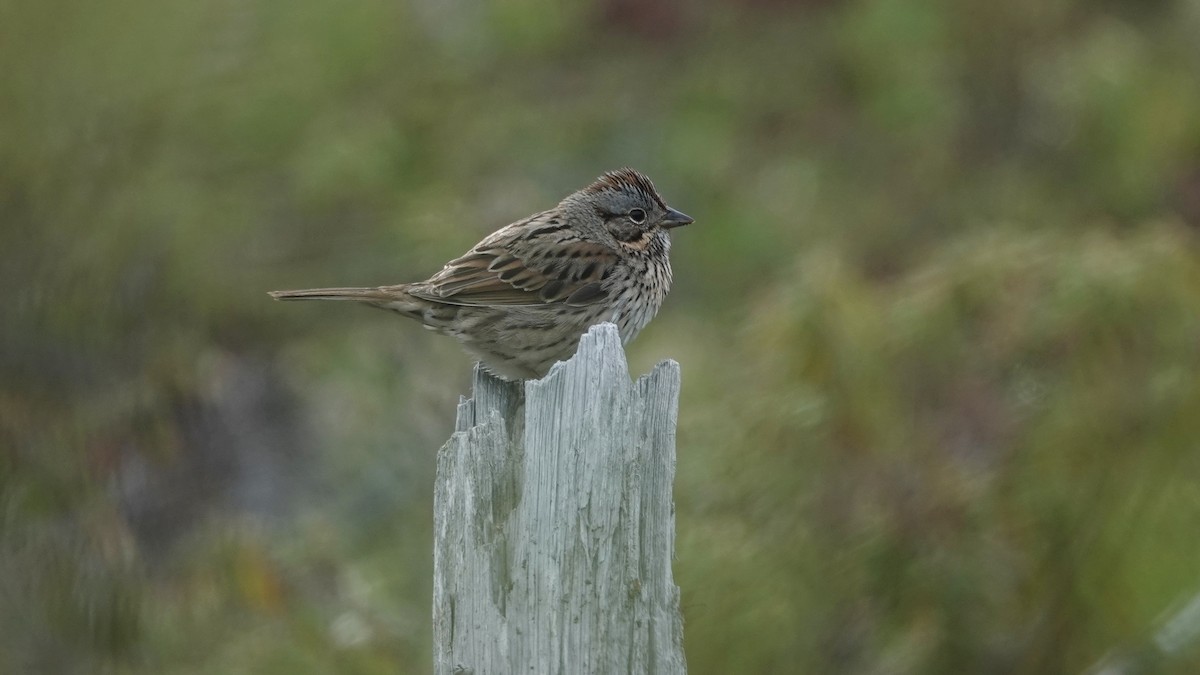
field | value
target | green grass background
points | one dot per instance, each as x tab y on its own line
938	318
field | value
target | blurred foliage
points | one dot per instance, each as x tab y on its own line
969	469
937	318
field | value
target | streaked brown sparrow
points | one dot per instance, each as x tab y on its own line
521	298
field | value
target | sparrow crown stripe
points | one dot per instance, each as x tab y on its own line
626	179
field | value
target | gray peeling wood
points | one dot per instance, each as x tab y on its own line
555	525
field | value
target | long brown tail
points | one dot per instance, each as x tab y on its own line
359	294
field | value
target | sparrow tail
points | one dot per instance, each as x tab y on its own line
359	294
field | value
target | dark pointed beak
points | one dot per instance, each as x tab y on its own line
676	219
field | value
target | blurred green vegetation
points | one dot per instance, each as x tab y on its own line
939	318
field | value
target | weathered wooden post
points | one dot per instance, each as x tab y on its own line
555	526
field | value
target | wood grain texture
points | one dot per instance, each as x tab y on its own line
554	522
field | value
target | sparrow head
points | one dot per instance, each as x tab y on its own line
628	206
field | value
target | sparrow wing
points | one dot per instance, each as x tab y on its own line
533	262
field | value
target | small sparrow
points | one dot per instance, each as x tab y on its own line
521	298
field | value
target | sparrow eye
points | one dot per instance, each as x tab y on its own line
638	216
